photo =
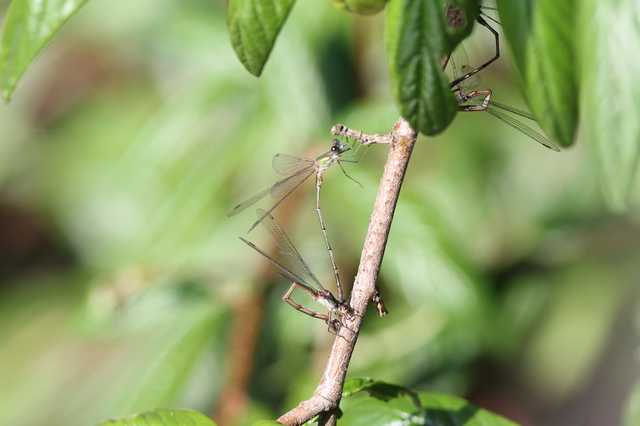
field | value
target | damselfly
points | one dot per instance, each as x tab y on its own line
465	80
297	271
298	170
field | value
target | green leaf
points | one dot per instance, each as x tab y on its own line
30	26
375	388
418	37
420	407
551	83
608	43
540	35
266	423
254	26
162	418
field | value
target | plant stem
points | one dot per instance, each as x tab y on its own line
326	398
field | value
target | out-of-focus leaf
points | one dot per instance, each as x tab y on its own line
254	26
162	418
632	408
160	380
577	325
420	407
137	359
516	27
540	35
30	26
361	7
375	388
266	423
418	37
551	83
608	42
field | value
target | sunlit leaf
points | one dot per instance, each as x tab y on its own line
417	407
30	26
162	418
254	26
418	37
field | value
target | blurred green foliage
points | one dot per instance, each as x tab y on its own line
134	134
390	404
163	418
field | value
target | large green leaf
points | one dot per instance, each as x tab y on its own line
162	418
550	79
418	36
540	34
254	26
608	44
30	26
391	404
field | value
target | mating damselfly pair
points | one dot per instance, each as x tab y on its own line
297	170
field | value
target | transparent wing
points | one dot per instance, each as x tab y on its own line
459	68
286	165
251	201
287	249
523	128
513	110
282	188
284	271
285	186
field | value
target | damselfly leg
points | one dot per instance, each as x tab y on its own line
452	18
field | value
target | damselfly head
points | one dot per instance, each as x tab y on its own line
338	147
345	310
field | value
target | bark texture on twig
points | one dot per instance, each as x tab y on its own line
327	395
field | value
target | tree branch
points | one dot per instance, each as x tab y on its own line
326	398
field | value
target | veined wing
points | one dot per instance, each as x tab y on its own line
523	128
459	68
284	271
281	188
287	249
285	186
513	110
286	165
